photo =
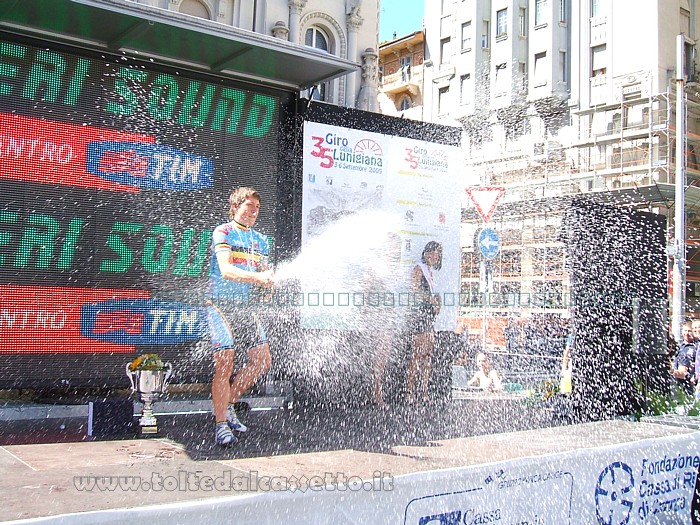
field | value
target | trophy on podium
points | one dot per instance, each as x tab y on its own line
149	377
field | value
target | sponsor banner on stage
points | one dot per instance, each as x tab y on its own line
652	481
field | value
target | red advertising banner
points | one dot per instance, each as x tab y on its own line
38	319
49	152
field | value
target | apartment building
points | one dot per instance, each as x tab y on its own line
558	98
401	76
344	28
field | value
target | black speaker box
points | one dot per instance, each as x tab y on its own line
111	418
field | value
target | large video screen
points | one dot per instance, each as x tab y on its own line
113	173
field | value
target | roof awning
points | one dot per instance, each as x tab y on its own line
173	39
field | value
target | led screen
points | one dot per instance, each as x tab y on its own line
113	172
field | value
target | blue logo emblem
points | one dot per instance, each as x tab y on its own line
489	243
142	322
446	518
149	166
613	495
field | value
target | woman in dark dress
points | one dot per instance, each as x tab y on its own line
425	308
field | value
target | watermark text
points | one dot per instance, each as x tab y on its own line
187	481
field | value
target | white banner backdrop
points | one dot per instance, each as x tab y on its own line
651	481
358	188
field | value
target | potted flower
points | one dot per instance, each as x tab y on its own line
147	362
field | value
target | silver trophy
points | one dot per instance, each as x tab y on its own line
149	384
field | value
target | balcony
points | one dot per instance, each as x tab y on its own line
402	81
599	29
599	89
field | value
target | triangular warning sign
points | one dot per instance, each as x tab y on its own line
485	198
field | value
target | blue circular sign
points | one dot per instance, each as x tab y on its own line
489	243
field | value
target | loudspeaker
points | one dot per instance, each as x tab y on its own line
111	418
617	269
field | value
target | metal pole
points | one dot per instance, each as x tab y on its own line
483	270
679	250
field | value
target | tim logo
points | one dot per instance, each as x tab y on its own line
149	166
142	322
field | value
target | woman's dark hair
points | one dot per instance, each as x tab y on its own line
433	246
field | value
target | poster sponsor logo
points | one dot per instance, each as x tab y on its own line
149	166
336	150
614	494
664	487
500	499
142	321
420	158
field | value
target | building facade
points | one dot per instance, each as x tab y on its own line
559	98
344	28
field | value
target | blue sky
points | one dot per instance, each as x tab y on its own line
399	16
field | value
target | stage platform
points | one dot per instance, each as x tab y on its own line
423	466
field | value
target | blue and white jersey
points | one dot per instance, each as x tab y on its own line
247	249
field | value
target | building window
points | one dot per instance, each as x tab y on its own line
540	12
380	73
522	74
595	8
405	68
465	94
485	35
685	21
599	61
314	37
466	35
562	11
547	294
562	65
443	100
444	5
689	55
445	51
194	8
523	21
502	22
405	103
540	74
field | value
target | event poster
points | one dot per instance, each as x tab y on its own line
359	187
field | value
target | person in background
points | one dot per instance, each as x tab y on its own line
683	360
425	307
485	377
695	326
239	270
